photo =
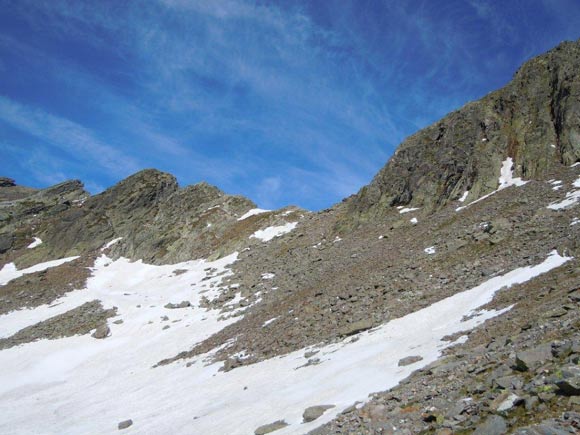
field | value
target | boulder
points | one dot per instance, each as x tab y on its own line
125	424
6	241
533	358
505	402
271	427
570	382
408	360
355	327
313	412
102	331
182	304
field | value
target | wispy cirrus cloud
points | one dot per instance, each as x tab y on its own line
75	140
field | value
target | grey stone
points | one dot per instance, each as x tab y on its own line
125	424
556	312
356	327
493	425
182	304
6	241
271	427
570	384
102	331
408	360
313	412
509	382
533	358
505	402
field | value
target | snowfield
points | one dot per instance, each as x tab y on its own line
81	385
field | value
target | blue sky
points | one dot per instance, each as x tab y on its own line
287	102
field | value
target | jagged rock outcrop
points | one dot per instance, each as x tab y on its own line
9	191
535	120
157	220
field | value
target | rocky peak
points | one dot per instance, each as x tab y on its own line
10	191
140	190
7	182
535	120
66	191
201	193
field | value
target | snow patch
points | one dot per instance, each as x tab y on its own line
464	196
269	233
414	221
111	243
506	179
37	242
570	200
10	272
268	275
252	212
407	210
430	250
267	322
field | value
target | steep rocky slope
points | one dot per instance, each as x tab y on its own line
535	120
291	311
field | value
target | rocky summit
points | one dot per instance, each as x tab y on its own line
442	298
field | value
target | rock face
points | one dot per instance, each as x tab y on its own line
535	120
158	221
